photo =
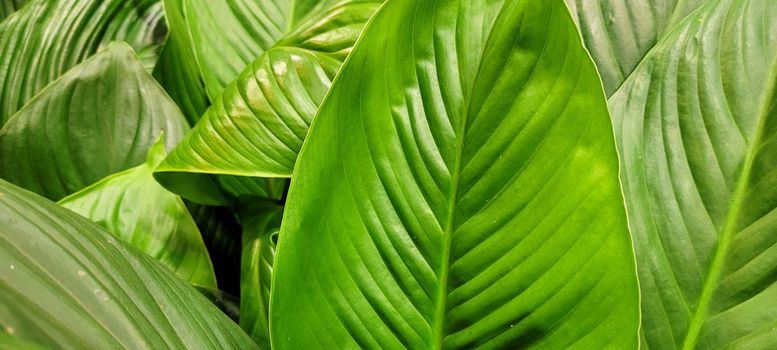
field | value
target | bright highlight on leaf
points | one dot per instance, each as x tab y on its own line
257	126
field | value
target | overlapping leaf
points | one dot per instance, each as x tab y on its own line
459	188
696	129
619	33
7	7
257	126
211	42
46	38
135	208
101	117
65	282
261	221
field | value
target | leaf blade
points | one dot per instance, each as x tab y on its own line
426	250
135	208
692	150
76	131
45	39
257	126
85	289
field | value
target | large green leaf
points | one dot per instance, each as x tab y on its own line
135	208
696	126
619	33
261	221
257	126
101	117
7	7
67	283
46	38
459	189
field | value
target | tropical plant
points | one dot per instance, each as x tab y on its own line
422	174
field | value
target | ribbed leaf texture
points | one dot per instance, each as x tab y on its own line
135	208
101	117
46	38
619	33
258	124
66	283
695	126
459	189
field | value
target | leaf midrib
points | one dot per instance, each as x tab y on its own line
721	250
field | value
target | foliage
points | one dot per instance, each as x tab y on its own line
424	174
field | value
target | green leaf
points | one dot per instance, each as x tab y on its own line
619	33
211	42
101	117
257	126
135	208
65	282
7	7
695	125
261	221
9	342
471	194
224	36
178	69
46	38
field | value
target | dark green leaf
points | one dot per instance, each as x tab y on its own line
619	33
261	221
459	189
46	38
696	131
228	304
65	282
222	235
101	117
7	7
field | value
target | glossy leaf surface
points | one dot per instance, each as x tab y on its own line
696	126
46	38
471	196
135	208
101	117
261	222
211	42
65	282
224	36
257	126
